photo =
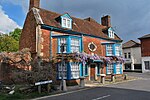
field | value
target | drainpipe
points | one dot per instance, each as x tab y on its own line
50	46
82	47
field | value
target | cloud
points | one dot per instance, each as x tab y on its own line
129	17
6	24
22	3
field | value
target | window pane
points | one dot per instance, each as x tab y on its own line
109	50
74	70
68	23
125	55
129	55
63	41
110	68
118	68
147	65
117	50
75	45
64	22
60	66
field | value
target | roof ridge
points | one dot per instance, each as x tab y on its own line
89	27
70	15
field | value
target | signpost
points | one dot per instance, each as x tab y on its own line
42	83
63	82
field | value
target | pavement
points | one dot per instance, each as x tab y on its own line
135	88
142	82
117	81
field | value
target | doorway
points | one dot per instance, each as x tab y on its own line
92	72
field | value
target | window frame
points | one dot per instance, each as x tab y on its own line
59	70
147	65
118	68
74	70
74	45
110	68
111	33
60	43
68	43
66	21
125	55
108	48
129	55
117	50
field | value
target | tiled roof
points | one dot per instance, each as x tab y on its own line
130	44
87	26
145	36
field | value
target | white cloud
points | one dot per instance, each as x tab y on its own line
6	24
23	3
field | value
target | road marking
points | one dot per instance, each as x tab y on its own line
102	97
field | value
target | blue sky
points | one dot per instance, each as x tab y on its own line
130	18
14	12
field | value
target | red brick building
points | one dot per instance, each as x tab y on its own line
145	52
45	31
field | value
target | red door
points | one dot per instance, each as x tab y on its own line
92	72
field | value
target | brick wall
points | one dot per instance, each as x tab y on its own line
100	48
145	47
28	35
45	43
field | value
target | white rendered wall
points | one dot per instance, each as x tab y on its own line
143	64
135	56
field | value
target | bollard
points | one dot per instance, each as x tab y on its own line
82	83
125	77
112	77
63	86
102	78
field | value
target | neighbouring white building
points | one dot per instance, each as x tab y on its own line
132	54
145	51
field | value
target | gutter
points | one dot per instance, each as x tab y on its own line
43	26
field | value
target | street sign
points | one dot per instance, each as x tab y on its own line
44	82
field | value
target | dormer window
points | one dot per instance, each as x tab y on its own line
66	21
111	33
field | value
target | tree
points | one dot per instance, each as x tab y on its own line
16	34
10	42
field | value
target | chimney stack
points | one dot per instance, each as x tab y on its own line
105	21
34	3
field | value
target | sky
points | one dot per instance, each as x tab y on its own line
129	18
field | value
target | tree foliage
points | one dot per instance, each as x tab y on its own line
16	34
10	42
